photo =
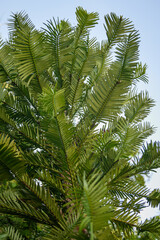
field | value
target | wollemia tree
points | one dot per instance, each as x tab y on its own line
72	153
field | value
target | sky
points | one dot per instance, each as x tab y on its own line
145	15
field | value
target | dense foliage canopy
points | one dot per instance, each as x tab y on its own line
72	132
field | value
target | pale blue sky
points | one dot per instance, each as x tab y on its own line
145	15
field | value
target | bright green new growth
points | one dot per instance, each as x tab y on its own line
73	178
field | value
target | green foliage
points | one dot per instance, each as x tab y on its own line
72	132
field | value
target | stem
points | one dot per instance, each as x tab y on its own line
91	231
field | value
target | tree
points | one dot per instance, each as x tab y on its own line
73	132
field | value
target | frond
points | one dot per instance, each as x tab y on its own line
127	55
29	56
127	189
147	161
20	115
117	28
96	211
140	73
68	229
106	100
7	66
108	97
124	222
10	158
139	107
150	156
131	137
9	204
23	94
5	118
59	37
85	63
18	22
154	198
39	160
64	126
31	135
152	226
13	234
44	196
85	20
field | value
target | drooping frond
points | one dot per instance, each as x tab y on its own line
10	159
44	196
10	205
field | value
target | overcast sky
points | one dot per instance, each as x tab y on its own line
145	15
